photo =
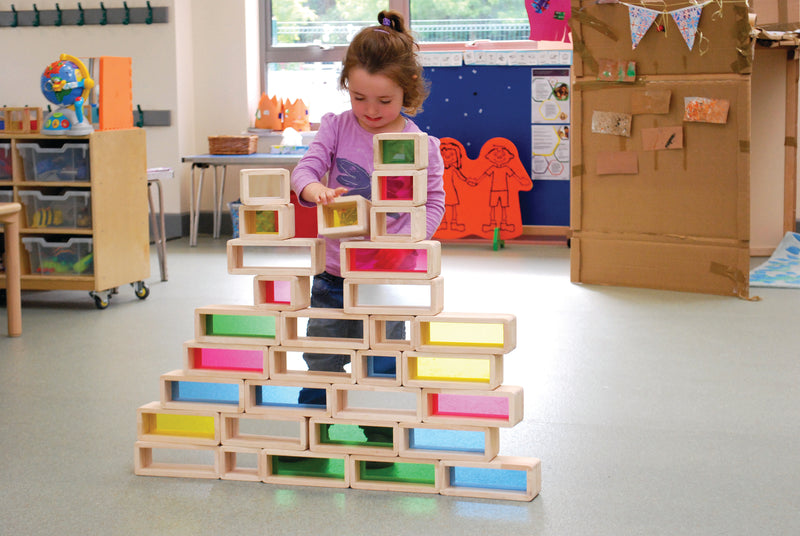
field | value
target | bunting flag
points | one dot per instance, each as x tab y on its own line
687	20
641	19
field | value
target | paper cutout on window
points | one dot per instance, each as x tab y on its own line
641	19
704	110
616	70
549	19
687	20
615	123
662	138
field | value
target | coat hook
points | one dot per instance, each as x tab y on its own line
104	17
81	15
149	18
140	121
127	18
36	20
59	20
15	19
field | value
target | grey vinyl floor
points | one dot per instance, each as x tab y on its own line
653	412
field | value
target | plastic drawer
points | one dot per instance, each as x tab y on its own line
72	209
5	161
73	257
6	196
69	162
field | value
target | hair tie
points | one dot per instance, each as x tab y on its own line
387	22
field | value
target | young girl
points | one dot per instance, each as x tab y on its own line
382	73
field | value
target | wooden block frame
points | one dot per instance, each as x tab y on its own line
271	478
356	481
360	367
146	421
494	364
378	336
419	187
29	119
230	469
512	394
291	337
531	466
315	445
169	379
251	405
279	369
378	224
284	220
420	140
314	249
232	435
299	292
432	250
352	304
202	314
326	216
478	323
491	443
338	399
145	466
195	368
275	182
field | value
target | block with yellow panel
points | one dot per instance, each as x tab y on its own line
156	423
469	371
465	333
344	216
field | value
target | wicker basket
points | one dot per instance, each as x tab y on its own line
232	144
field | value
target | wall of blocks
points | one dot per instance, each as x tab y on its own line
233	410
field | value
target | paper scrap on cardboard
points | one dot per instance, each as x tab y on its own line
705	110
617	163
650	101
616	123
616	70
662	138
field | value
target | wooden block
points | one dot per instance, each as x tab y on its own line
400	150
161	425
21	120
379	260
343	217
380	332
347	437
416	475
226	360
284	432
282	293
233	467
454	443
146	465
290	334
399	188
456	371
269	186
280	399
294	256
397	297
286	364
505	477
501	407
465	333
237	324
267	222
381	228
378	367
304	468
375	403
180	390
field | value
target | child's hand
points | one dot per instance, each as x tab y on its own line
318	193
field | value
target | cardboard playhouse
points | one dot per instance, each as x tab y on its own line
661	140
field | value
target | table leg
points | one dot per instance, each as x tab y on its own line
12	268
218	206
194	214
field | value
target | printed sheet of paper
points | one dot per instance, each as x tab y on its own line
657	139
616	123
704	110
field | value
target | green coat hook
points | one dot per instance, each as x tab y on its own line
59	19
81	15
127	18
15	19
140	121
36	20
149	18
104	17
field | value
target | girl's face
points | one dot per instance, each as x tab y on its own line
376	101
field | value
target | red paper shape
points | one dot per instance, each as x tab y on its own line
483	194
549	19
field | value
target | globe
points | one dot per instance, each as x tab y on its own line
66	83
62	83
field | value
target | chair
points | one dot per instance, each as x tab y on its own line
9	218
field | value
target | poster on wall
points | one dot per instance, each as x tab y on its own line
550	102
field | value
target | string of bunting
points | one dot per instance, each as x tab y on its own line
686	18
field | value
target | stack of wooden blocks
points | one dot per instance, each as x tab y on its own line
438	411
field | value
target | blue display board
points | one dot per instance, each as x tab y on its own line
474	103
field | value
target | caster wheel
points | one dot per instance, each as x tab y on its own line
141	290
100	303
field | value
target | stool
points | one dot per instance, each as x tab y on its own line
154	177
9	217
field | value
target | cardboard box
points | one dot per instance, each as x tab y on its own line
775	11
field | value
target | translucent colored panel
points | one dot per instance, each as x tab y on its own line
399	188
349	434
413	473
487	478
464	334
241	326
266	222
449	369
284	396
214	393
277	292
184	425
380	366
397	151
388	260
308	467
228	359
484	407
343	216
394	295
451	440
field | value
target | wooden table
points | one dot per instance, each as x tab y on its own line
9	217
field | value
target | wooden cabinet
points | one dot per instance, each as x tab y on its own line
110	224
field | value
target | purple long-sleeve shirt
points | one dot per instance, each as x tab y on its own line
343	148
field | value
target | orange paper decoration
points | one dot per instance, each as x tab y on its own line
269	115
